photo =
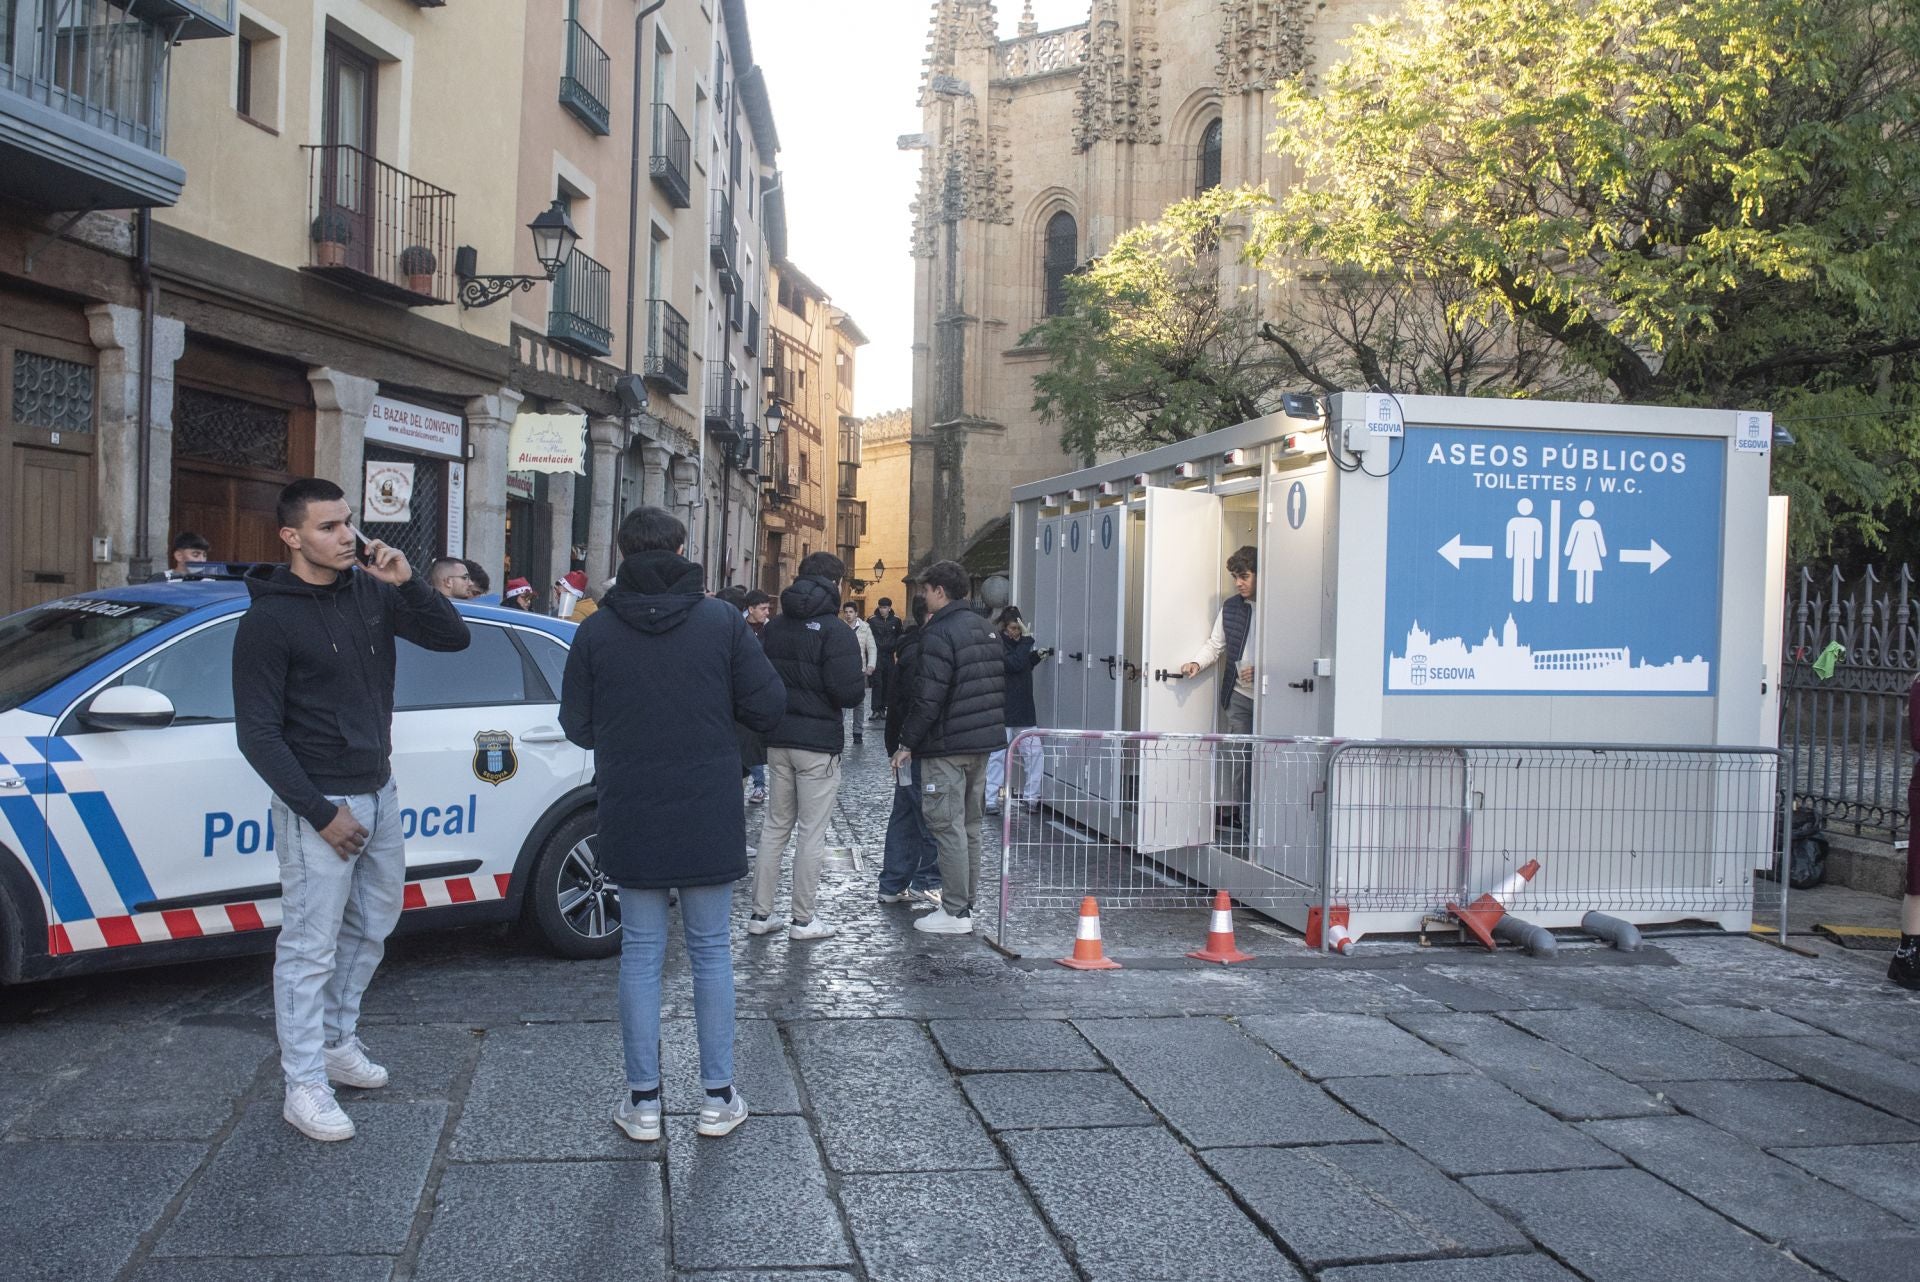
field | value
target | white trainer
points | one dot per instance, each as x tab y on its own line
311	1110
348	1065
757	925
717	1118
640	1121
939	922
815	929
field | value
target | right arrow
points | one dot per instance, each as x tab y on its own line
1653	556
1455	551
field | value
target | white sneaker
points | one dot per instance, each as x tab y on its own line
348	1065
757	925
938	922
640	1121
717	1119
815	929
311	1110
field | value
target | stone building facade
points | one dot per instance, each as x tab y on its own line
886	481
1037	151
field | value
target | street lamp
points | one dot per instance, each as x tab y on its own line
553	240
879	571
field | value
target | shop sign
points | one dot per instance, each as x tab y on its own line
456	509
417	428
555	443
389	493
520	485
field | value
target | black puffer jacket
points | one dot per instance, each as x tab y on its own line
818	658
959	693
906	654
1022	657
887	629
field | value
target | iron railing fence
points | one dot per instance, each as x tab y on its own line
98	62
581	312
378	229
667	346
672	161
585	88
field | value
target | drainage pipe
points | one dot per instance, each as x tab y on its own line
1623	935
140	564
1537	940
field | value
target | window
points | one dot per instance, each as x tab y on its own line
1209	177
195	673
549	656
243	89
805	459
1062	255
43	646
488	671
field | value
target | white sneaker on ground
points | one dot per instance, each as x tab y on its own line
717	1118
939	922
758	925
348	1065
640	1121
311	1110
815	929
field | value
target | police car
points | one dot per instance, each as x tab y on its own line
132	832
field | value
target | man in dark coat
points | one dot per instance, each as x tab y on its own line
887	630
1022	657
654	684
910	861
818	660
957	719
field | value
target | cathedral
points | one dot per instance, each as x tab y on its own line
1036	152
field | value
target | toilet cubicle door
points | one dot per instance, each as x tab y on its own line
1043	605
1068	760
1106	628
1181	588
1292	606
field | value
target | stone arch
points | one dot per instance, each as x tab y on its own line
1045	206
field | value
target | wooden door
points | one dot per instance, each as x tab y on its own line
47	446
51	514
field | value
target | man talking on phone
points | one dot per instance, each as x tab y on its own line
313	663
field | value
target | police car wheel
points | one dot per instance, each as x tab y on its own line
572	906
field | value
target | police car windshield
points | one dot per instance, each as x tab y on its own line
45	645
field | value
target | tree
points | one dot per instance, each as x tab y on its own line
1714	202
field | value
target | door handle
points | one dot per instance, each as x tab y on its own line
1305	685
13	783
545	734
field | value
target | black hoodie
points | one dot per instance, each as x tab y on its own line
655	681
818	658
313	680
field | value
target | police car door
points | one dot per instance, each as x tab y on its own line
479	756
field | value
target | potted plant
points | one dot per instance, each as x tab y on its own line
332	232
418	264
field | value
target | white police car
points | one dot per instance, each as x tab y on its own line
132	832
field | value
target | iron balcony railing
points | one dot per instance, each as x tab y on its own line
722	241
666	346
378	229
581	315
723	404
585	89
672	156
91	60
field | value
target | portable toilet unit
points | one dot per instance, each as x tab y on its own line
1430	569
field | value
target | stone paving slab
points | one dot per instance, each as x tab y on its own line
928	1226
1893	1027
1504	1268
1132	1204
779	1275
74	1212
1012	1045
1737	1021
136	1093
1759	1192
863	1076
1028	1101
1323	1046
423	1061
322	1268
19	1092
1626	1226
1642	1046
755	1199
1787	1114
1347	1202
546	1091
272	1191
1561	1083
1200	1073
760	1067
1865	1260
546	1222
1871	1076
1885	1174
1470	1125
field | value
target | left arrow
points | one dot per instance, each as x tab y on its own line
1653	556
1455	551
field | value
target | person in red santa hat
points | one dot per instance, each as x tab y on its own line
570	598
519	596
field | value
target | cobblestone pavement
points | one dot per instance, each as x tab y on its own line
1711	1108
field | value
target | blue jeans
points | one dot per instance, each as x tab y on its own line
759	776
335	916
704	916
910	860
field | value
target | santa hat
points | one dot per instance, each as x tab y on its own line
519	587
576	582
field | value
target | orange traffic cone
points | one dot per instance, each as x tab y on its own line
1220	947
1339	938
1484	913
1087	953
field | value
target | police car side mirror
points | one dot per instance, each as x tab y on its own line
129	708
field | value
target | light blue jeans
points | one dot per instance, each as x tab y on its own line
335	916
704	925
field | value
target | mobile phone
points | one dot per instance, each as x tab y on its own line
360	543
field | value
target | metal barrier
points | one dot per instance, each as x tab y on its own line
1389	831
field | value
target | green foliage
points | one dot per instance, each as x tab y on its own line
1708	202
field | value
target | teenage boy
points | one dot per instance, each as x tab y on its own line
313	713
189	549
1233	638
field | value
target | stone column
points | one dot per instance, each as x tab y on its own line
489	422
609	438
685	501
341	403
654	463
115	331
560	491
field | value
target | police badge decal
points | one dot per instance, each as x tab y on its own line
494	761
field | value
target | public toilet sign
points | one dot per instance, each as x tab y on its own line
1542	563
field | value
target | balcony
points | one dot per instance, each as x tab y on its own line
666	347
672	156
723	405
378	230
852	517
722	241
849	480
586	86
581	315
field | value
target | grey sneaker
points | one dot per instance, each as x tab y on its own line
311	1110
717	1118
348	1065
640	1121
815	929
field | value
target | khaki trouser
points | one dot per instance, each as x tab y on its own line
953	797
800	791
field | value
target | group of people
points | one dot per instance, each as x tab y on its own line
459	579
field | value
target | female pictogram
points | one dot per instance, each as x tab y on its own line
1586	553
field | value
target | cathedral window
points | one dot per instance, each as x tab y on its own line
1062	255
1209	159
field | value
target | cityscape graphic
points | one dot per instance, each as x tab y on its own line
1503	663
